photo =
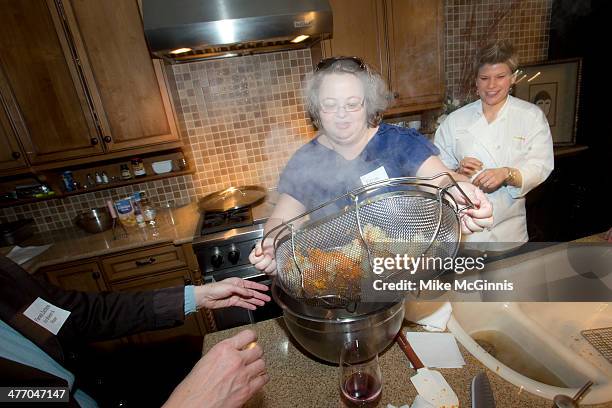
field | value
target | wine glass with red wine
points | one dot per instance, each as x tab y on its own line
360	376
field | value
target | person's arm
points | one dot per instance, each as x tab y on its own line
474	219
532	168
225	377
286	208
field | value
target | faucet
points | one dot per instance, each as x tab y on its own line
563	401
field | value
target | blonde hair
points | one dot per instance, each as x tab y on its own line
497	52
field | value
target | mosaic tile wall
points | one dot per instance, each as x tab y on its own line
471	24
244	117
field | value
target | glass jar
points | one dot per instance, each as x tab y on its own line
138	167
125	172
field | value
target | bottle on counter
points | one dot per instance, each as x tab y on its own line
98	178
125	172
90	181
148	211
140	219
104	176
138	167
68	181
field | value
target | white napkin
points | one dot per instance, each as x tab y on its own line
436	321
436	349
21	255
420	402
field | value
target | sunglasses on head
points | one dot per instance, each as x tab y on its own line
328	62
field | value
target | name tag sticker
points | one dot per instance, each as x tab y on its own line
47	315
373	176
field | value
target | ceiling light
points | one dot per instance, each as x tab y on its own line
180	50
299	38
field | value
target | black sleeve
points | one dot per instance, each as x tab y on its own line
94	316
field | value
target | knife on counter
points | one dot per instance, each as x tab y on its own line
482	394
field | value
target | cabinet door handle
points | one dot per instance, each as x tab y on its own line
395	95
147	262
95	275
16	155
107	139
94	141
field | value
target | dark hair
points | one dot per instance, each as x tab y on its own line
542	95
376	94
497	52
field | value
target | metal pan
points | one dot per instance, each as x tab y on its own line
232	198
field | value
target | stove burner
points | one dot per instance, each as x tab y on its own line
220	221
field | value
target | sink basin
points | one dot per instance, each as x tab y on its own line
539	346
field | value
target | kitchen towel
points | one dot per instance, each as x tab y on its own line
21	255
436	321
438	350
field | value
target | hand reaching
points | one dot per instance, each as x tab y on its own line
478	218
469	166
264	259
226	377
231	292
491	179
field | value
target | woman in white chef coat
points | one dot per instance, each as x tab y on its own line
503	144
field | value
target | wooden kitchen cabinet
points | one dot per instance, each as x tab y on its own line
143	262
148	268
128	88
402	39
40	85
11	155
84	276
78	84
194	324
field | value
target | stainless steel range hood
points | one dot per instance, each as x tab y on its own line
187	30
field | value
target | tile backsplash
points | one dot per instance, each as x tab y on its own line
471	24
242	118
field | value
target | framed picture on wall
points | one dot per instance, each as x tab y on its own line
554	87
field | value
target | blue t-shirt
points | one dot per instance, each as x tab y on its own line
316	174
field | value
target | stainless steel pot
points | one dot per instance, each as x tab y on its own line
322	332
94	220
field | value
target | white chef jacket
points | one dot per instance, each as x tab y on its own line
519	137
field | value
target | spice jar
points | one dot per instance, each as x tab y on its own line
138	167
125	172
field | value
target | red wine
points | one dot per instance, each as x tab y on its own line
361	390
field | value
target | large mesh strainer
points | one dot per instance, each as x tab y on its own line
326	262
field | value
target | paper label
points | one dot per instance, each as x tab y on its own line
47	315
373	176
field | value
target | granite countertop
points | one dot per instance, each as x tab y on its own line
73	244
299	381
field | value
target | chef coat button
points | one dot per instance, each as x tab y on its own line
498	147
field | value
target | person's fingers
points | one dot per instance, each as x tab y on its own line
471	225
251	353
271	268
263	263
242	339
255	285
258	382
256	368
238	302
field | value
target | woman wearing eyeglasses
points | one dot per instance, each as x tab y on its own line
502	143
352	148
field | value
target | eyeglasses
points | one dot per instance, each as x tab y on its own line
328	62
334	107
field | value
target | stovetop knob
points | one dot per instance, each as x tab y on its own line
233	255
216	260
